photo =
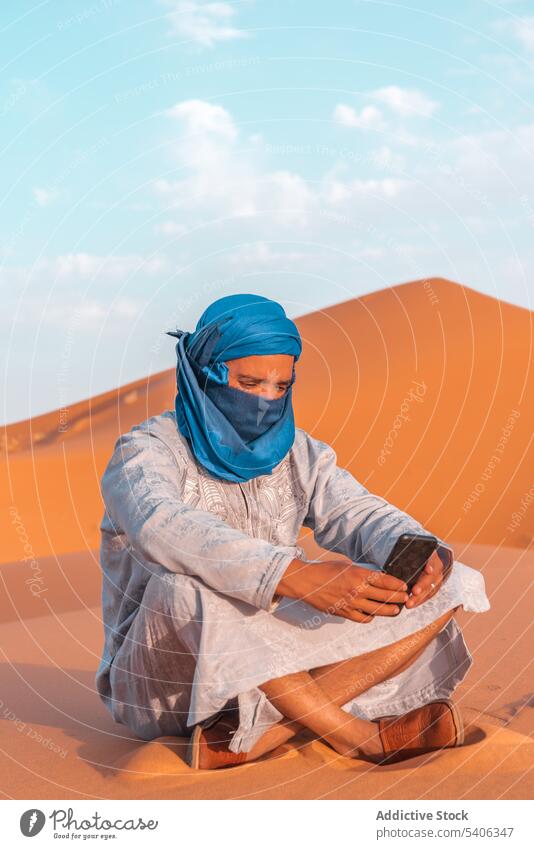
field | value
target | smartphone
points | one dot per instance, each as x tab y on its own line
408	557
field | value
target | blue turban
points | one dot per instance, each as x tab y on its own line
236	435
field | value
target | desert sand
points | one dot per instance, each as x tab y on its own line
425	391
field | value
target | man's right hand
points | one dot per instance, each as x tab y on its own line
343	589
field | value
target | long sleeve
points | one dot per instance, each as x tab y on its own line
345	517
141	491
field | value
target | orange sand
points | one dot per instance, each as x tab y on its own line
470	356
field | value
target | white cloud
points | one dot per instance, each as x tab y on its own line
504	155
370	253
508	70
405	101
84	314
370	118
337	191
44	197
408	139
220	177
170	228
85	265
127	307
258	254
384	157
203	23
202	117
476	224
262	253
225	178
522	29
82	266
417	190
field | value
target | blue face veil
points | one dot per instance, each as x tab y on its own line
236	435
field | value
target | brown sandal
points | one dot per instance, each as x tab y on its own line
209	742
437	725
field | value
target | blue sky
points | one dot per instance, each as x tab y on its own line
159	154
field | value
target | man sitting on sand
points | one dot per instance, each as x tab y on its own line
216	625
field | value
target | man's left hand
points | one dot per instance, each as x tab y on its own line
435	573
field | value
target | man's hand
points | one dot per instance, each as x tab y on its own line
435	573
344	589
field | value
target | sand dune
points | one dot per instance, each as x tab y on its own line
425	392
412	385
60	742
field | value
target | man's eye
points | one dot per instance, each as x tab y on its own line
253	385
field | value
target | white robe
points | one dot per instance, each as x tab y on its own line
190	566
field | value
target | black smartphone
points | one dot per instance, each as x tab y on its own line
408	557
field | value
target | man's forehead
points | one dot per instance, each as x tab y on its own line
263	360
262	364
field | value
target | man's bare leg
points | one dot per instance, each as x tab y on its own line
313	699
